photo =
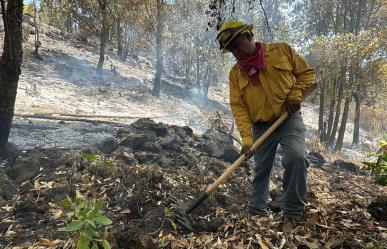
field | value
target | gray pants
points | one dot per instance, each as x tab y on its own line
291	136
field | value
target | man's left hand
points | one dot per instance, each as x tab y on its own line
292	106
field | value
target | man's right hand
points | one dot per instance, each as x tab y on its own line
246	150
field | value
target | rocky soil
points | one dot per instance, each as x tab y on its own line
139	170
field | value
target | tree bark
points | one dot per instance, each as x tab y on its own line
188	63
37	41
119	40
331	110
321	129
337	114
206	83
343	126
197	69
356	122
10	66
159	49
103	36
126	47
69	22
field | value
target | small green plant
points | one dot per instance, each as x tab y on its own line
87	220
379	166
99	163
168	215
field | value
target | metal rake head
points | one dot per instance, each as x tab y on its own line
180	213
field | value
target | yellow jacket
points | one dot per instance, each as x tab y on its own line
287	76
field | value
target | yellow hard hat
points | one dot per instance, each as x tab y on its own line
229	30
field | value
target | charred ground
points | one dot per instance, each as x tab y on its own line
152	161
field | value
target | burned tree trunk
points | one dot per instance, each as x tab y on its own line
159	49
198	62
331	110
321	129
119	40
343	126
103	36
125	41
206	83
69	23
337	113
187	69
356	122
36	26
37	41
10	66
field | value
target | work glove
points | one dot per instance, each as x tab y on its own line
246	150
292	106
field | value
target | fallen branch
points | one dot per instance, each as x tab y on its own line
85	115
50	117
64	116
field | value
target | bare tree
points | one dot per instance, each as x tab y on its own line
103	35
10	66
37	41
159	48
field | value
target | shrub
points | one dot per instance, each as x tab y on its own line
87	220
100	165
379	165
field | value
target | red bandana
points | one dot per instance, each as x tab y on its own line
251	66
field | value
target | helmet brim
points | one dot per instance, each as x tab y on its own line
248	27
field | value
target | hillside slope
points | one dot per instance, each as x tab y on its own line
64	82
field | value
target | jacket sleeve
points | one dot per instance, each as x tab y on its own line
304	74
240	111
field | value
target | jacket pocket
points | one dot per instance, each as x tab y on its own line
283	66
282	81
